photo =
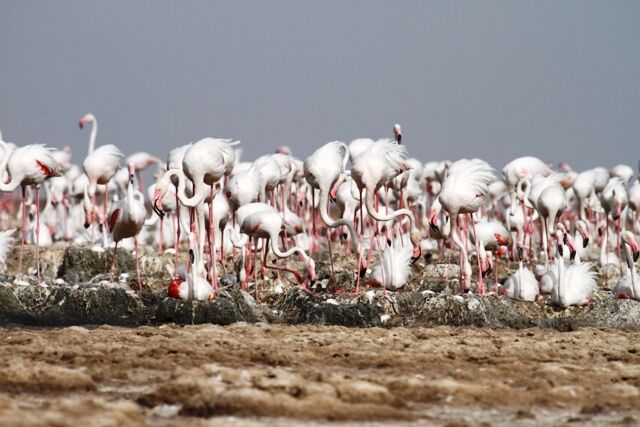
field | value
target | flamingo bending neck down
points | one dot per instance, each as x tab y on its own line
324	171
264	221
376	166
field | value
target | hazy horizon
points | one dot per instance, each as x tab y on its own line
490	79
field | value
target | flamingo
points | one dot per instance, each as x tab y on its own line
627	286
323	170
521	285
522	167
190	286
28	166
376	166
571	250
141	161
624	172
394	268
397	133
551	204
259	220
463	192
100	165
491	236
634	200
6	241
575	284
583	187
126	219
204	163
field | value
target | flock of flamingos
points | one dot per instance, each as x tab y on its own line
366	199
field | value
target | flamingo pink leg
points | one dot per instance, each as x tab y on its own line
212	246
481	289
138	265
113	261
24	227
176	244
38	234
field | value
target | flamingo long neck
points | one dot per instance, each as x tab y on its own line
631	268
324	215
605	242
517	292
274	237
379	217
92	138
197	196
13	183
561	284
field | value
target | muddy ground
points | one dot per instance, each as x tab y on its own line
421	356
264	374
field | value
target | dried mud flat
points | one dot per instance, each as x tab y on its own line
261	374
299	358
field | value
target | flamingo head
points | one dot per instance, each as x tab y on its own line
174	288
571	245
584	232
416	238
397	132
433	220
311	270
88	210
283	149
520	249
501	240
160	189
88	118
629	239
132	172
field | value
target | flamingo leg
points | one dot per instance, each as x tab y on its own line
333	271
212	245
481	289
161	241
138	264
24	228
38	235
104	218
223	258
176	244
139	178
113	261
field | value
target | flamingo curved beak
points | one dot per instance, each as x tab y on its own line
157	203
433	221
417	252
617	212
500	239
572	248
635	248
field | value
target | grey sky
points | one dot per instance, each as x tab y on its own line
489	79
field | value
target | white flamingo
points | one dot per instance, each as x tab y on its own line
575	284
627	286
28	166
190	286
463	192
126	219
